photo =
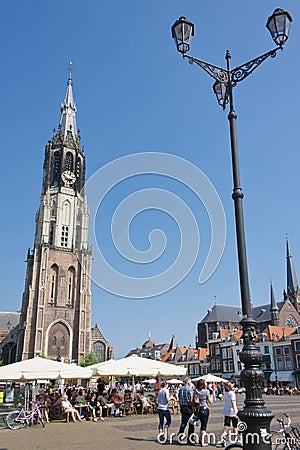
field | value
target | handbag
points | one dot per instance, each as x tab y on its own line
196	400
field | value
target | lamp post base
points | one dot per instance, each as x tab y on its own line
255	416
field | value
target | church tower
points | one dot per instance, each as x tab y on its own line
56	306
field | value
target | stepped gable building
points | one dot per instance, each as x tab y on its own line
150	350
55	316
283	314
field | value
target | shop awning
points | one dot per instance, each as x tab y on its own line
283	375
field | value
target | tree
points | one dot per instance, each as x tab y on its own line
91	358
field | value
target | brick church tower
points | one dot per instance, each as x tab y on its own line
56	307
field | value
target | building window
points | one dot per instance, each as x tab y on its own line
279	363
54	340
71	283
286	350
278	351
64	236
229	352
288	362
266	350
69	161
78	168
218	365
231	369
99	350
51	234
224	353
191	369
297	346
217	349
56	168
53	283
298	361
196	369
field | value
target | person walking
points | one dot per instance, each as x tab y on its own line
204	398
185	395
230	414
163	412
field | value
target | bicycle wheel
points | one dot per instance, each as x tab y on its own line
41	420
11	421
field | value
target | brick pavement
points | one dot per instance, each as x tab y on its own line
128	433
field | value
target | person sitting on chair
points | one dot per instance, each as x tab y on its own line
116	401
69	409
94	406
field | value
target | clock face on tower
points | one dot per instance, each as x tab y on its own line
68	177
290	322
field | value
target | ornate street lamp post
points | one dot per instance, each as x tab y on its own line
254	413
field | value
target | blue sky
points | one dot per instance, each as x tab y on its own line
134	93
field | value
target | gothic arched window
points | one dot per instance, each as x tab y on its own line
78	168
99	350
54	340
56	168
69	161
53	283
71	282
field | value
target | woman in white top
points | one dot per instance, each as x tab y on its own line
230	413
163	409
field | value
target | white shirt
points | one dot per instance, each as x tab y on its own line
228	410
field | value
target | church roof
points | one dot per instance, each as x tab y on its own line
8	320
225	313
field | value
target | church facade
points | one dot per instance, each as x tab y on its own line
55	318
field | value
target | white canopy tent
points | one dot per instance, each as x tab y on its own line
41	368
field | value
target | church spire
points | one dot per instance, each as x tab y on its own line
292	283
274	307
68	110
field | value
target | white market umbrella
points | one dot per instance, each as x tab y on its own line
174	381
150	381
137	366
95	366
41	368
210	378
